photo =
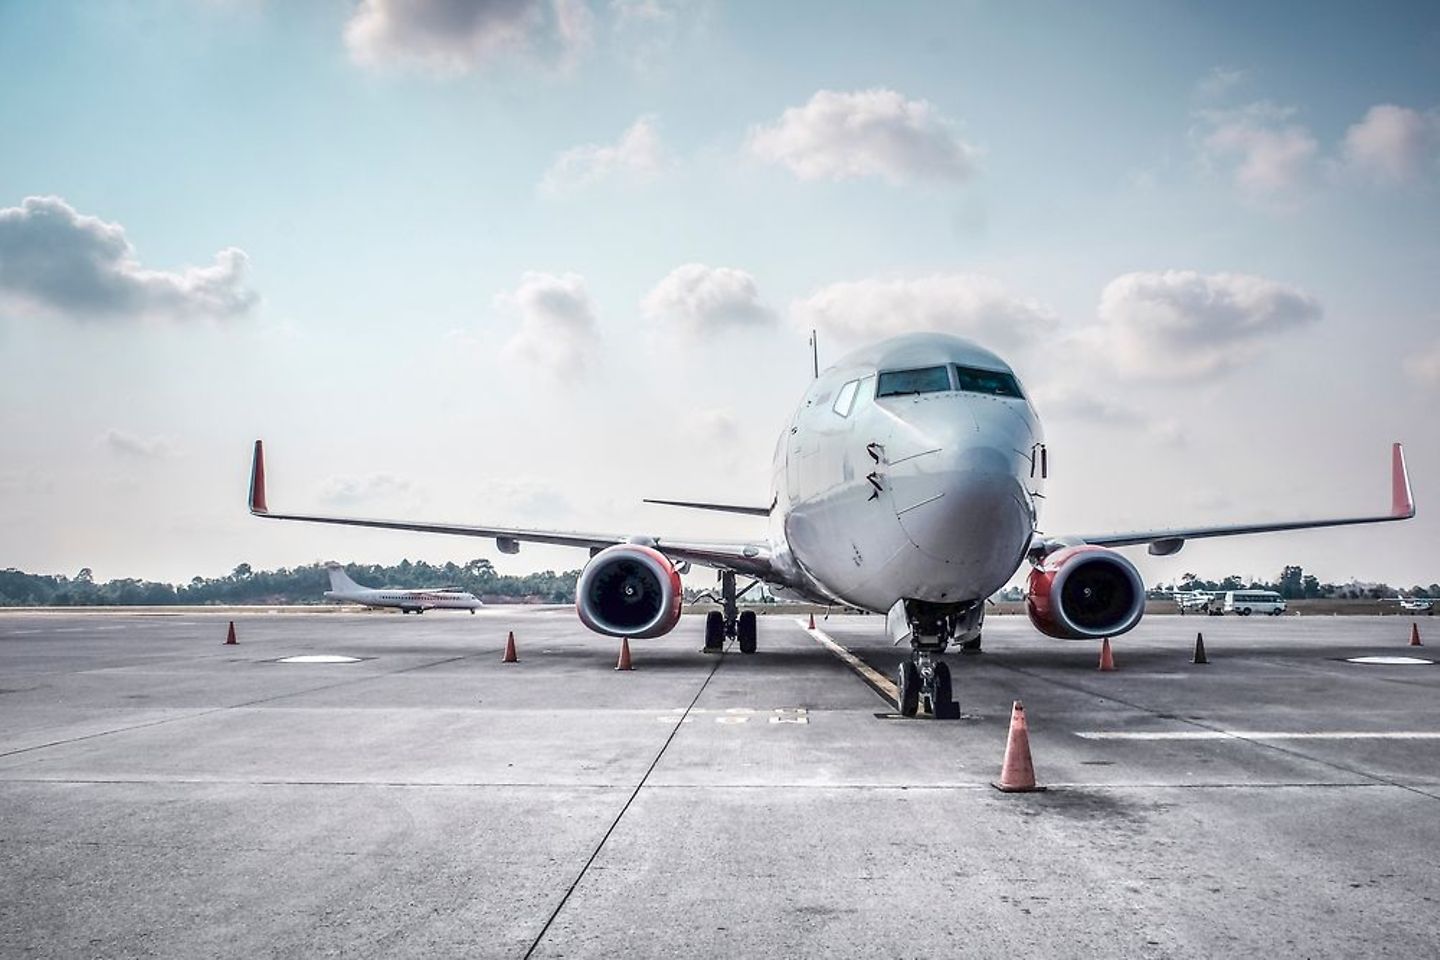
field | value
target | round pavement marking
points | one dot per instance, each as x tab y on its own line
1391	661
319	658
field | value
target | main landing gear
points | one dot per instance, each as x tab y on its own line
730	622
923	681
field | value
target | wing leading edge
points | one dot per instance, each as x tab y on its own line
1165	542
751	559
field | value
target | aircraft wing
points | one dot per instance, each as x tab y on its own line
751	559
1165	542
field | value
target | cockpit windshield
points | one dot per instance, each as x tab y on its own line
993	382
899	383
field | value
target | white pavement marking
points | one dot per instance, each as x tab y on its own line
1256	735
1390	661
875	677
319	658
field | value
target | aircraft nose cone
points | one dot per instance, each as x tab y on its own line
965	508
959	496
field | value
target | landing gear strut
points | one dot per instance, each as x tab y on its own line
729	621
923	681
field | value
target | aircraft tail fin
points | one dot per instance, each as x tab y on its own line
339	580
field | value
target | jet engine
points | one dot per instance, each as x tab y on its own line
1084	592
629	590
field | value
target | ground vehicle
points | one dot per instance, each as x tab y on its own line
1242	603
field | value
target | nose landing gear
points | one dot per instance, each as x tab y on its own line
923	681
729	621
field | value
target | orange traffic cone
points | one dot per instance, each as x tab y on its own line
1415	635
1199	649
1017	772
624	662
1107	659
230	636
510	656
812	621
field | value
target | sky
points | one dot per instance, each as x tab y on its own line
526	262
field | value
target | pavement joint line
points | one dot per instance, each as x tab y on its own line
231	706
978	787
1255	735
1288	751
873	678
670	738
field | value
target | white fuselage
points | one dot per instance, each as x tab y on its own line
927	496
407	599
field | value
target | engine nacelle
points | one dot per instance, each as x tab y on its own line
629	590
1085	592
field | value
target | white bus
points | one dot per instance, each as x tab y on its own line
1242	603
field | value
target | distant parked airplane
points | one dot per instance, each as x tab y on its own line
1416	604
345	590
1196	601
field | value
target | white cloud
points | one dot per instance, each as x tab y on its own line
843	136
1077	403
1220	82
139	448
383	488
55	261
527	498
1266	152
1424	366
1179	323
557	323
971	305
700	299
641	11
638	155
715	428
457	36
1392	144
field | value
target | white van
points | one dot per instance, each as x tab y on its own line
1242	603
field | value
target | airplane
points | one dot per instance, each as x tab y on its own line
1415	604
907	482
1192	600
345	590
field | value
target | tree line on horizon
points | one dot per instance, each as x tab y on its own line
289	585
307	585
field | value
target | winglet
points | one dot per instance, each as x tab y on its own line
257	480
1402	499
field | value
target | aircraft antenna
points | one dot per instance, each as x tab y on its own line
815	353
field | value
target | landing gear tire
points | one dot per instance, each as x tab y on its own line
942	700
745	631
714	631
908	689
971	647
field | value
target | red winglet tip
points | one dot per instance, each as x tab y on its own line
257	480
1402	500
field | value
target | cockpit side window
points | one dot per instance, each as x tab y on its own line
994	382
898	383
845	399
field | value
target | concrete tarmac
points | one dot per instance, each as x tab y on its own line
163	795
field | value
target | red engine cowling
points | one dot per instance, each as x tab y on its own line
629	590
1083	592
